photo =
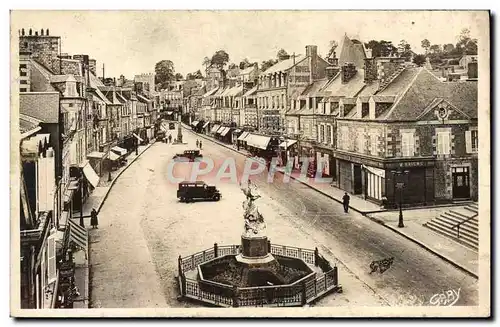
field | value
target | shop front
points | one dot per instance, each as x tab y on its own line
326	161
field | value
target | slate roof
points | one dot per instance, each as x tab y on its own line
283	65
27	123
46	74
424	89
349	89
352	51
40	105
314	88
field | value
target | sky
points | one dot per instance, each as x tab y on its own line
131	42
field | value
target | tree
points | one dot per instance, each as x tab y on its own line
268	63
404	50
425	45
220	59
164	73
206	62
245	63
281	53
179	77
465	44
333	45
381	48
448	48
435	49
419	60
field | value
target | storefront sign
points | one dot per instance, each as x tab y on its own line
408	164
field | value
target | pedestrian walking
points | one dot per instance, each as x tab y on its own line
93	219
169	138
345	202
200	145
197	144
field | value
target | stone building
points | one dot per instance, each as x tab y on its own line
408	128
280	82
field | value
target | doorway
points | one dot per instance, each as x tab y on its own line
461	182
358	184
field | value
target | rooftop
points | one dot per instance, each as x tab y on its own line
43	106
284	65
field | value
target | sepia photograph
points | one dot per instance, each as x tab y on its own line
250	163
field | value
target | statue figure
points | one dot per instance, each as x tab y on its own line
254	221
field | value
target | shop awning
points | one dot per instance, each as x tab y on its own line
221	128
96	155
225	131
194	123
206	124
258	141
237	131
78	234
288	143
243	136
120	151
138	138
375	171
215	128
91	175
113	156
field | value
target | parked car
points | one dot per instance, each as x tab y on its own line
192	155
199	190
160	135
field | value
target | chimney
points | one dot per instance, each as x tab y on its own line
368	53
36	33
47	32
370	70
472	70
347	72
22	32
42	32
312	53
387	67
31	32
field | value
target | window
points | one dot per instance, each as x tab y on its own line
22	89
471	141
321	133
23	81
360	140
329	134
443	143
23	74
407	144
344	139
282	101
373	143
23	66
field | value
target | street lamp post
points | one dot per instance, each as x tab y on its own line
400	186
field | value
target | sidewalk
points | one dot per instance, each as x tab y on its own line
95	200
99	194
455	253
445	248
357	203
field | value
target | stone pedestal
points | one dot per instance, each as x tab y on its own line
254	251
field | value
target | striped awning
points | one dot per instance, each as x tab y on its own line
215	128
78	234
288	143
206	124
225	131
243	136
120	151
220	130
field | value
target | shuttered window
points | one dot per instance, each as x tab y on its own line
51	259
471	141
360	139
407	144
373	143
443	143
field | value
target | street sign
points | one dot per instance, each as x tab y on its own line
400	185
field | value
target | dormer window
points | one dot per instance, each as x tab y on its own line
70	90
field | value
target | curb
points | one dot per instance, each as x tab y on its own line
366	214
426	247
294	178
116	177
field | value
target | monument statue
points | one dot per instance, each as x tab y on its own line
254	221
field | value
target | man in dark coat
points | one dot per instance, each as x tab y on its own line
170	138
201	145
345	202
93	218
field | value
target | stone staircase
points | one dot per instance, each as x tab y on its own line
444	223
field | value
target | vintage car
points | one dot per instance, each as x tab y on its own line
191	155
199	190
160	136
